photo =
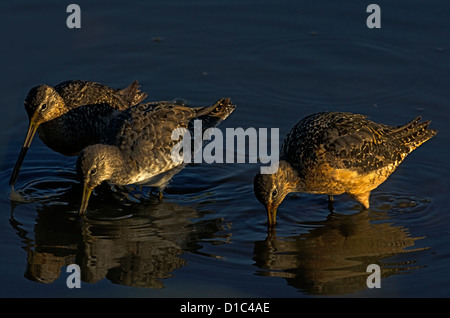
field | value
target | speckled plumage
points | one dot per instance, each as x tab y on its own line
73	114
334	153
83	107
139	145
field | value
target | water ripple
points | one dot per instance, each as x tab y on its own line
331	70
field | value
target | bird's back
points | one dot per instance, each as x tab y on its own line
78	93
90	106
155	122
351	141
144	132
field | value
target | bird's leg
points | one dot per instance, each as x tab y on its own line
271	233
160	193
330	203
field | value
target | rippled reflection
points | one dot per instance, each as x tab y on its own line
331	258
140	248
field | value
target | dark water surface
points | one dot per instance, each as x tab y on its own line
278	61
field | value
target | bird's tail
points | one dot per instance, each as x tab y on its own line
132	95
414	133
213	115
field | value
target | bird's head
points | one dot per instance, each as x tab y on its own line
271	189
95	164
42	104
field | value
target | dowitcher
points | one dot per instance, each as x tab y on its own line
139	146
334	153
72	115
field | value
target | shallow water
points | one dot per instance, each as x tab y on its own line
278	61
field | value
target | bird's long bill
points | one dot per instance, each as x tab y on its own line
271	215
32	127
85	199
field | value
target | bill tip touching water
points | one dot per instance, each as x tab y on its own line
334	153
16	196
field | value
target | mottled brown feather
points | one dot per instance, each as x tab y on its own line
334	153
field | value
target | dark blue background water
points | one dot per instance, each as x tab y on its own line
278	61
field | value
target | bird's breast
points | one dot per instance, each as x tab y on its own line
326	179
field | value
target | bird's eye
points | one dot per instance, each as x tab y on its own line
43	106
274	193
93	171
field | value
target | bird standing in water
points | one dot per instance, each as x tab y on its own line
72	115
138	149
334	153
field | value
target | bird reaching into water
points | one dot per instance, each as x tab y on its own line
72	115
334	153
138	149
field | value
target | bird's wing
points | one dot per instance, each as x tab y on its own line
147	129
344	140
356	143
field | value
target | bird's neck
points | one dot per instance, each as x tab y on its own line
290	175
121	167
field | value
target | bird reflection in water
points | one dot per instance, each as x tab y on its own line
140	249
331	258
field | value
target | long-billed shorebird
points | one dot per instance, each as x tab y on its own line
334	153
72	115
139	146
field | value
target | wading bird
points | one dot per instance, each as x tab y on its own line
334	153
138	149
72	115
